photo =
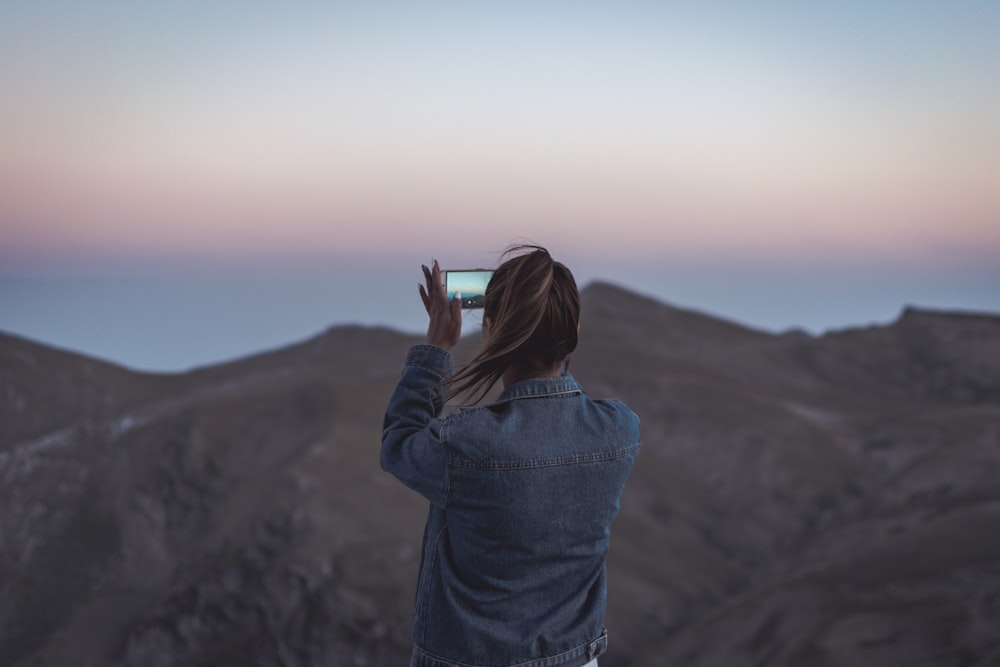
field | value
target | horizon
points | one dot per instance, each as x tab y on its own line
176	323
184	182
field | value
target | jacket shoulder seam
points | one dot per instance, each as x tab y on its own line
525	464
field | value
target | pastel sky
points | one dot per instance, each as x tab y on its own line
777	162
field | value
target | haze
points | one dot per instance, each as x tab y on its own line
184	182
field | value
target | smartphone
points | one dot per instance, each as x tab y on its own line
471	284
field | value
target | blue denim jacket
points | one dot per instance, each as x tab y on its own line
522	495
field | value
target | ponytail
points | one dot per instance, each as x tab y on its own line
533	308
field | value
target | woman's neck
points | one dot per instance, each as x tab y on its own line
512	375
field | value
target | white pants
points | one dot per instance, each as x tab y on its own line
592	663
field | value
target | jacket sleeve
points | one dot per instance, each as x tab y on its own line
411	446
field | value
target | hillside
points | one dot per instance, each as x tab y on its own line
799	500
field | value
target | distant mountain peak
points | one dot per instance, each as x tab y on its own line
615	302
911	313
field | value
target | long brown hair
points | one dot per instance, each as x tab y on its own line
533	308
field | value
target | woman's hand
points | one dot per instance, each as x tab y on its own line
445	326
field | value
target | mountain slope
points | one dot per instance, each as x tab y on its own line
798	500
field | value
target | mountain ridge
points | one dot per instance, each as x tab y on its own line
236	513
10	341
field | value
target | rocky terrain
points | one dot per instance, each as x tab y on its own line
799	500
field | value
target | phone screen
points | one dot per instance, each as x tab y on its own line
471	285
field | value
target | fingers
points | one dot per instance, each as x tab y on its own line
438	283
427	279
427	294
445	316
433	296
425	298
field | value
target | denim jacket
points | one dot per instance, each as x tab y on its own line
522	495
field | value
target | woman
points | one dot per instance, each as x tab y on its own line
522	491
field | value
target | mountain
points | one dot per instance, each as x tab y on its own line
798	500
804	500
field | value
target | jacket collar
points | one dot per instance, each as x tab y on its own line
534	387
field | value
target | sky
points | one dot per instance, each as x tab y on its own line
187	182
